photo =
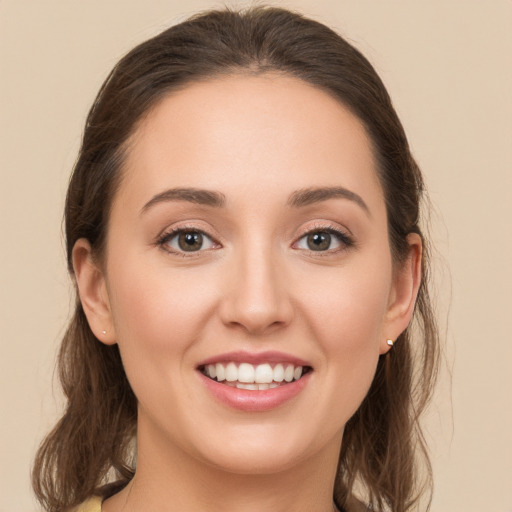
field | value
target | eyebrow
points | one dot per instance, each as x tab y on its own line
312	195
192	195
299	198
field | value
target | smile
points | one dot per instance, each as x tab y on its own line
254	382
253	377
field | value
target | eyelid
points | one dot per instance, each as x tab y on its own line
344	236
168	234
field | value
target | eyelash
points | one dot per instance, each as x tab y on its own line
344	239
167	236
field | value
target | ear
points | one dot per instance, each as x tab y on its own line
93	292
402	299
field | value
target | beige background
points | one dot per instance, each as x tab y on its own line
447	64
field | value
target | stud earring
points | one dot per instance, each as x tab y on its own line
103	332
390	342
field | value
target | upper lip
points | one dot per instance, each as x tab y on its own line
255	358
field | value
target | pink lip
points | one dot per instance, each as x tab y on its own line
254	401
254	358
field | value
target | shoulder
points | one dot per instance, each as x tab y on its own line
91	505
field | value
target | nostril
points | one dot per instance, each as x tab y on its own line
256	300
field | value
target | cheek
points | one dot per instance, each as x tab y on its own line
160	310
349	307
158	317
346	313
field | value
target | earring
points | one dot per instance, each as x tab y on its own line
103	332
390	342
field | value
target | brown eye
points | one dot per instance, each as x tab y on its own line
324	240
190	241
320	241
187	240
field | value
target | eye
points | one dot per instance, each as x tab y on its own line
186	240
322	240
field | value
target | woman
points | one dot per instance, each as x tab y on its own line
242	227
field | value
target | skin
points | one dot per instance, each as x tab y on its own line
256	286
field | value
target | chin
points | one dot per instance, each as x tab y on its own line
265	451
256	462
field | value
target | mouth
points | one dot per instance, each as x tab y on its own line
254	377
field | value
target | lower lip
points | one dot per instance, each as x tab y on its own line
255	401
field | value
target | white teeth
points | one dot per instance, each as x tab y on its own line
278	373
231	372
257	377
288	373
264	374
246	373
220	372
252	387
211	369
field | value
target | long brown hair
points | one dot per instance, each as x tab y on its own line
383	446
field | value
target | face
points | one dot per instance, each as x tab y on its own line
248	247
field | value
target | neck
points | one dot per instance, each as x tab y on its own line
169	480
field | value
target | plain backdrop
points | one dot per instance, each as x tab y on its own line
447	65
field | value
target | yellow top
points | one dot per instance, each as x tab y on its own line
94	505
91	505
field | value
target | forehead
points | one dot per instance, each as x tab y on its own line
264	133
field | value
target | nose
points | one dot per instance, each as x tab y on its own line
256	295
